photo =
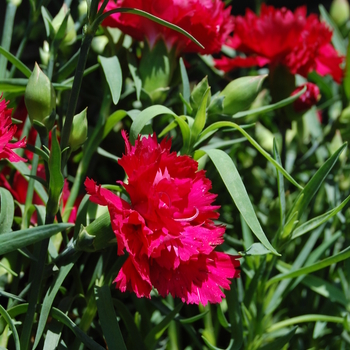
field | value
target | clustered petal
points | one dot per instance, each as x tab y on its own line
207	20
7	131
167	228
279	36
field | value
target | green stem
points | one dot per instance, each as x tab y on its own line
78	77
7	35
304	318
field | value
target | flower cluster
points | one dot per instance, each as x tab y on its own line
167	229
279	36
207	20
7	131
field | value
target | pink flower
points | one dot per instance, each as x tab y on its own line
308	99
167	229
207	20
7	131
279	36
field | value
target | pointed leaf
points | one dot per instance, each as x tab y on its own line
236	188
280	342
7	210
114	76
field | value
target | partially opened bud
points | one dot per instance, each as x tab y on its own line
39	97
78	133
70	33
308	99
240	93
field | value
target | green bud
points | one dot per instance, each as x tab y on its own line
78	133
345	116
340	11
70	33
45	53
39	97
240	93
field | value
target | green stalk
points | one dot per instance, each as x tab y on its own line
303	319
7	33
78	77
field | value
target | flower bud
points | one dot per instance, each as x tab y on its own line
39	97
240	93
340	11
308	99
45	53
78	133
70	33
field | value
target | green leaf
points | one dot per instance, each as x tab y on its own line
218	125
129	322
15	85
256	249
305	196
319	220
108	319
11	241
200	118
236	188
193	318
50	31
12	326
132	64
112	120
343	255
7	210
16	62
48	300
186	134
270	107
56	177
280	342
156	332
186	91
114	76
144	117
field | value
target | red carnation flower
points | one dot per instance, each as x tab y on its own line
308	99
7	131
206	20
279	36
167	229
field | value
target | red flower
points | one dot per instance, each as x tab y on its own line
206	20
167	229
308	99
7	131
279	36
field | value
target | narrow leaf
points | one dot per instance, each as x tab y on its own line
12	326
343	255
7	210
186	92
108	319
236	188
11	241
16	62
280	342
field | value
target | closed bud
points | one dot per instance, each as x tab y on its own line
240	93
39	97
78	133
340	11
308	99
70	33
